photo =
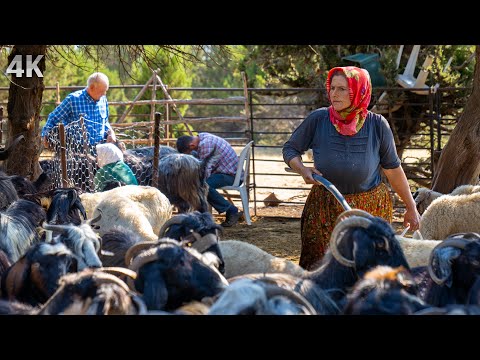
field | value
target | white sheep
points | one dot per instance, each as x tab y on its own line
450	214
417	252
244	258
142	209
424	197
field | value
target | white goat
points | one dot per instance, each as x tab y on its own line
244	258
142	209
450	214
424	197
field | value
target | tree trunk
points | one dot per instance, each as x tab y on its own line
24	103
459	161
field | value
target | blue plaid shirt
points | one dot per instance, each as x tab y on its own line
77	104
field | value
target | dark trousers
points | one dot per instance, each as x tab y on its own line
214	198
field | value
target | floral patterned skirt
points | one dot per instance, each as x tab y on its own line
321	211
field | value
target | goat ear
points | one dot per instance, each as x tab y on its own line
78	204
15	279
73	268
442	262
363	251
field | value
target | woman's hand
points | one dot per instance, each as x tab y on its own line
297	165
307	172
412	218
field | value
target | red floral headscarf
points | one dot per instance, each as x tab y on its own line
350	120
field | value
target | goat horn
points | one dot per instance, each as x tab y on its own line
172	221
60	228
96	219
431	311
456	242
143	258
274	290
101	277
353	221
119	270
352	212
5	153
136	248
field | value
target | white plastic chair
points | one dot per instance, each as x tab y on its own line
240	183
407	80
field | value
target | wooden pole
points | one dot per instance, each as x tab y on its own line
86	151
152	107
247	107
57	102
1	124
174	106
139	95
156	149
63	155
167	126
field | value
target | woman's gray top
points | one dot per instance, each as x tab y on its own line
351	163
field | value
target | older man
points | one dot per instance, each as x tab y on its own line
89	103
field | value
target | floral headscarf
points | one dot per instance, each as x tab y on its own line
350	120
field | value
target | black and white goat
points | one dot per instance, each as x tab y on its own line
81	240
384	291
18	228
94	292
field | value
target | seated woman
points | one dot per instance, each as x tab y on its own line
112	167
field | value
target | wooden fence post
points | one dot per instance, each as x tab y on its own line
156	149
86	151
63	154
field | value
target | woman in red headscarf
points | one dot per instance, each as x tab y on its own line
351	146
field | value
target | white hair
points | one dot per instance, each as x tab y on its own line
108	153
97	77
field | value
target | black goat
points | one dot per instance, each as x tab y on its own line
4	154
453	269
29	209
115	244
169	275
8	193
66	208
384	291
112	184
199	230
140	160
29	190
34	277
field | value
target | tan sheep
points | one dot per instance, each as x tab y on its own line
142	209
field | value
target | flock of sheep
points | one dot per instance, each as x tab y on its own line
123	251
